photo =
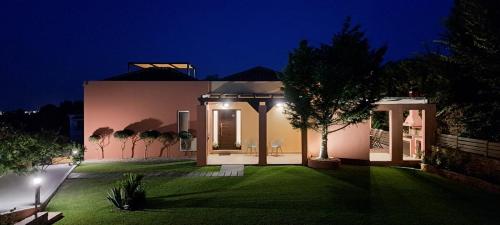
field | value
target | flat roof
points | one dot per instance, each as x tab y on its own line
176	65
402	100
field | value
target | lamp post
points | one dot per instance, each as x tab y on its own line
37	181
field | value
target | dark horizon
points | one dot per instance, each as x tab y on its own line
51	48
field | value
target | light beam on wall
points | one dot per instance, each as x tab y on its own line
238	127
216	128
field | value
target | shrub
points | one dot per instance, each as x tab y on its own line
148	137
167	139
129	193
449	159
186	138
123	136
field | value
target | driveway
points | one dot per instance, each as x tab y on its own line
19	191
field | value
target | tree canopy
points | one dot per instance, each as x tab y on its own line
334	85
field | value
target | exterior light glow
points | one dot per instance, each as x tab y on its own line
75	152
37	181
225	104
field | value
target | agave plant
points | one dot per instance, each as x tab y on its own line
129	193
115	197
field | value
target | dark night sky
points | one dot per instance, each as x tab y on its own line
48	48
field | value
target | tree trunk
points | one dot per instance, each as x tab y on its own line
133	149
123	148
146	152
303	137
161	151
102	152
323	152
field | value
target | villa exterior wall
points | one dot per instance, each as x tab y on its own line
144	105
155	104
353	142
280	130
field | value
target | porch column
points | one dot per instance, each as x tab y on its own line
396	134
429	128
262	133
201	141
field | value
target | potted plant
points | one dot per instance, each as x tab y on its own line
186	138
424	165
215	146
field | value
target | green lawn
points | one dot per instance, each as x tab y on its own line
287	195
142	167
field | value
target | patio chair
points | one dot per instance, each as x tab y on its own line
375	139
251	147
276	146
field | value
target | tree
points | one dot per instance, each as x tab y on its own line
473	40
342	83
16	151
296	85
123	136
22	152
148	137
101	137
167	139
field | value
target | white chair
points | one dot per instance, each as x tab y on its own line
251	147
276	145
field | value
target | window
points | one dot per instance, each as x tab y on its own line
183	121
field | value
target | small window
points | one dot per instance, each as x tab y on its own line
183	121
186	136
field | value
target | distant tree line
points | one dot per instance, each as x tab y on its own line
29	141
48	118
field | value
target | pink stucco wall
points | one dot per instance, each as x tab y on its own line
155	104
150	105
353	142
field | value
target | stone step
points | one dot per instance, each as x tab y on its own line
53	217
41	218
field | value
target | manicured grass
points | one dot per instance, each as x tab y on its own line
287	195
142	167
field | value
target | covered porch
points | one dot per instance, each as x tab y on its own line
248	129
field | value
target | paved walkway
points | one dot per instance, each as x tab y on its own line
225	171
18	191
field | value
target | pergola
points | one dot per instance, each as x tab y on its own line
396	107
188	68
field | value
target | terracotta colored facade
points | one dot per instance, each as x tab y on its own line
154	105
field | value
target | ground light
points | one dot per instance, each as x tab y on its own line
37	181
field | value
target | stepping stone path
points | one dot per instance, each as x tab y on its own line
225	171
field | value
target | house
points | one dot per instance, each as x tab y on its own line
238	119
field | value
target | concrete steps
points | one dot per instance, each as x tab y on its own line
41	218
